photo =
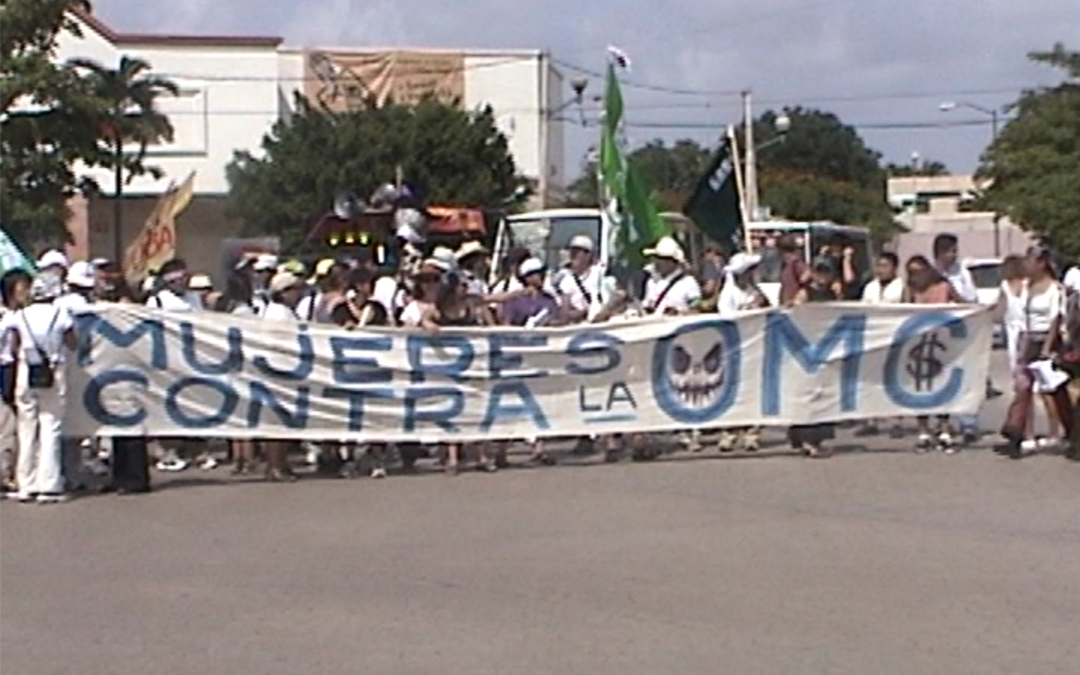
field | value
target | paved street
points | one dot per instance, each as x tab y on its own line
877	561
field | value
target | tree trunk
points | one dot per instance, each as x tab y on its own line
118	197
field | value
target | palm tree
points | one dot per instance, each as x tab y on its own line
129	116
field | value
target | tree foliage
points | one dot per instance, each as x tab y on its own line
1032	169
448	155
46	120
924	169
671	172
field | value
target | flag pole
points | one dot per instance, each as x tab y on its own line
736	166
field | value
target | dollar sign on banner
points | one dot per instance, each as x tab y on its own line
924	365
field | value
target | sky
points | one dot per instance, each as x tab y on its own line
877	64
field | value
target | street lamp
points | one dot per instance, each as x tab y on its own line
949	106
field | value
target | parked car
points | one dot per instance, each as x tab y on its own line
986	273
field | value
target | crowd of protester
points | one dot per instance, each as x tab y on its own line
450	288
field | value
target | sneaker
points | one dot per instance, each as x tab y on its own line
378	472
924	442
53	498
727	442
312	454
208	464
172	464
1048	443
946	443
1029	445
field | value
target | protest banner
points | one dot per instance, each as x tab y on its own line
156	242
141	371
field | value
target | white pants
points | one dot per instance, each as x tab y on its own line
40	414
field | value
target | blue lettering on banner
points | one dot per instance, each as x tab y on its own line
357	399
504	364
781	333
440	417
420	370
305	360
349	368
96	387
264	397
593	352
696	371
225	408
526	406
233	362
91	325
914	327
620	393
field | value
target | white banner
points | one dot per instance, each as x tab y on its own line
140	371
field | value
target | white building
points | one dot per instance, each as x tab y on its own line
235	88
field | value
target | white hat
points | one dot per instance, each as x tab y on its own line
200	282
582	242
81	275
442	258
742	262
530	266
666	248
471	248
52	258
267	262
283	281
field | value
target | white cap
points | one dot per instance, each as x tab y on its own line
742	262
666	248
266	262
283	281
52	258
149	283
81	275
530	266
582	242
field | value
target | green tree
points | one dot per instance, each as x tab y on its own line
927	169
451	156
821	169
46	121
670	171
1032	169
128	116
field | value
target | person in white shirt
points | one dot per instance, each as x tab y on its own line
581	285
174	294
426	288
1011	301
81	282
473	260
740	293
886	288
285	291
670	289
15	289
947	261
41	336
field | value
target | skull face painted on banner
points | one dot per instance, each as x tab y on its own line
696	368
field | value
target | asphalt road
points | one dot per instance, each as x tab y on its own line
877	561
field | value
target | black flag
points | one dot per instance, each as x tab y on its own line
714	206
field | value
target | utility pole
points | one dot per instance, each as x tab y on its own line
751	158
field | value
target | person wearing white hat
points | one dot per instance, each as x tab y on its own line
53	262
581	285
669	289
42	334
81	282
285	292
173	295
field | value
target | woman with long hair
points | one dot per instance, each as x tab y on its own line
927	286
453	308
15	292
1044	304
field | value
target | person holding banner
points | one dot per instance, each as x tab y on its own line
284	293
173	294
810	438
740	293
454	308
41	334
580	284
670	289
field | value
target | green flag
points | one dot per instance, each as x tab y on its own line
714	205
627	199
